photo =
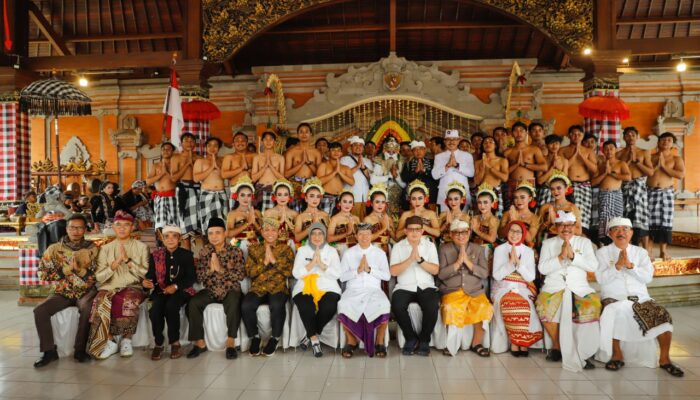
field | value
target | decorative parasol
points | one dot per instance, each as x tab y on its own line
54	97
199	110
604	107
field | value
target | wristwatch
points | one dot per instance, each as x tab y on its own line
421	261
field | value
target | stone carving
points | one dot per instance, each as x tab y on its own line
672	120
673	109
75	150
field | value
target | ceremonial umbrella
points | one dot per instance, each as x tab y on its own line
200	112
600	108
54	97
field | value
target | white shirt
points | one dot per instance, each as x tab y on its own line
461	174
502	266
379	268
382	174
568	274
414	277
327	280
361	186
626	282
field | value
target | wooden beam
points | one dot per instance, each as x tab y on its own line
45	27
100	61
193	29
658	20
392	26
642	47
109	38
605	31
399	27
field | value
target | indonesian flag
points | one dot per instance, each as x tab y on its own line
172	109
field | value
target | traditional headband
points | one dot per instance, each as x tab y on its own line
311	183
418	184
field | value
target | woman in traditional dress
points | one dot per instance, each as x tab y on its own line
523	201
456	200
555	164
513	293
243	221
379	218
312	193
104	204
137	204
485	224
559	187
341	230
282	195
418	196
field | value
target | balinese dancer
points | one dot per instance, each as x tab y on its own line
456	199
282	195
524	161
334	176
312	193
213	201
555	162
418	196
301	163
268	167
520	210
387	169
341	230
382	223
559	187
243	221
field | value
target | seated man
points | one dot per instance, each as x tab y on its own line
220	269
414	261
363	308
629	314
71	264
269	265
121	267
169	278
463	267
566	297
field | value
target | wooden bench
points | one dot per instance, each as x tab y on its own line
689	202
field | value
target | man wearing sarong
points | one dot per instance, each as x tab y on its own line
387	169
301	163
364	309
667	167
414	263
463	271
187	190
334	176
583	164
121	267
268	167
361	169
164	203
239	164
611	174
452	165
629	314
566	297
71	264
220	268
213	201
635	191
524	160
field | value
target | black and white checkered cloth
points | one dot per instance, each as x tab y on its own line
263	197
636	202
611	205
661	207
544	195
499	210
583	198
211	204
165	211
187	194
594	207
327	203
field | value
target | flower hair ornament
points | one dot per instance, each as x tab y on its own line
454	185
244	181
419	185
485	188
533	193
312	183
558	174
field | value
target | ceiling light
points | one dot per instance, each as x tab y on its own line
587	51
83	81
681	67
625	60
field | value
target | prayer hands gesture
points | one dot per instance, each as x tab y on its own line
122	258
415	256
74	264
215	263
608	167
419	166
521	161
513	257
269	258
567	252
552	215
465	258
147	283
317	260
251	216
364	266
452	162
623	261
512	213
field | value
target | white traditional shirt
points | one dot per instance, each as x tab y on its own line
569	274
626	282
382	171
414	277
461	174
327	280
363	292
361	187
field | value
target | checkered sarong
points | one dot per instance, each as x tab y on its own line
499	195
297	204
636	202
187	194
544	195
327	203
583	198
165	211
611	205
212	204
29	266
661	207
594	207
263	197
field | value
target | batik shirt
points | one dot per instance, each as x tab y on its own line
269	279
55	266
233	271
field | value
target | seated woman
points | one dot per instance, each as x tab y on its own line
341	230
559	187
104	205
418	196
364	309
523	201
137	204
121	267
312	193
456	200
316	292
485	225
243	221
281	196
512	292
379	218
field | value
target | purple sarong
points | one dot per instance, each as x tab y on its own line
363	330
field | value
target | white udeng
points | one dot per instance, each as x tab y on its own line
461	174
363	292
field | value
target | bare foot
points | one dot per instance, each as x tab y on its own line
665	257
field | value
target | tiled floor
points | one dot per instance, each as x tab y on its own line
296	375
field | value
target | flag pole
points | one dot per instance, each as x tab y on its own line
164	136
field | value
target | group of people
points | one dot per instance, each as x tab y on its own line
329	232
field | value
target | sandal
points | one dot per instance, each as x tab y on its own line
480	350
348	350
673	370
614	365
380	351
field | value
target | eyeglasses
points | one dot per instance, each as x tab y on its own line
459	233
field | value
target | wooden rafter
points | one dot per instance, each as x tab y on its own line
658	20
47	30
115	37
104	61
660	46
399	27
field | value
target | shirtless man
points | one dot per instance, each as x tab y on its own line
501	135
634	192
554	162
268	167
524	160
583	164
667	167
187	190
611	173
165	206
536	131
213	201
237	165
334	176
491	170
301	163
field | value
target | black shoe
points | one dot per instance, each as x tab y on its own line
515	353
196	351
46	359
316	348
305	343
409	347
81	356
231	353
255	346
589	364
270	347
423	349
554	355
524	353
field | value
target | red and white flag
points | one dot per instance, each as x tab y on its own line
172	109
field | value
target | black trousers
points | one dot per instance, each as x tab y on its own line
278	312
314	320
200	301
429	302
56	303
165	308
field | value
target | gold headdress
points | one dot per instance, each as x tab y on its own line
285	183
418	184
313	182
454	185
485	188
378	188
244	181
528	186
558	174
273	222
